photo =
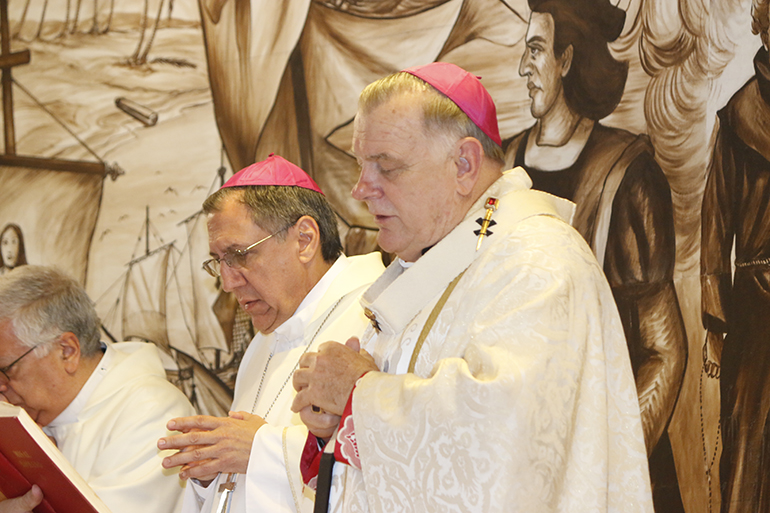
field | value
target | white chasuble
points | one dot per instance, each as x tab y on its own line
110	431
522	397
330	311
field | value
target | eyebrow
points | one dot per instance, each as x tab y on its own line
535	39
376	157
228	249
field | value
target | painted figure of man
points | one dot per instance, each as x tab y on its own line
274	243
495	375
735	300
105	405
623	200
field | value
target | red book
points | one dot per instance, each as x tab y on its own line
28	456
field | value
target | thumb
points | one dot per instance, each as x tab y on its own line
354	344
239	415
32	498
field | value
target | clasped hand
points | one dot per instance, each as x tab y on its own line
209	445
325	380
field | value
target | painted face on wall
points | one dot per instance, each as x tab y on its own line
9	248
406	178
272	282
543	70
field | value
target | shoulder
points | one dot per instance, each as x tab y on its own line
137	377
540	247
368	266
744	105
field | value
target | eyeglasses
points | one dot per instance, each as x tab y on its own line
235	258
7	368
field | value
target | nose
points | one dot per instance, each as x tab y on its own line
524	64
365	188
231	278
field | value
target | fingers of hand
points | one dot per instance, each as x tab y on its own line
205	470
300	379
193	437
353	343
321	424
195	422
301	400
191	456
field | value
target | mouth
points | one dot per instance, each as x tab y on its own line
253	306
247	303
380	219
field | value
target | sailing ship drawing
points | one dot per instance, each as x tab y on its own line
165	298
70	216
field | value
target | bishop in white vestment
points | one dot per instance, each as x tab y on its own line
500	380
274	244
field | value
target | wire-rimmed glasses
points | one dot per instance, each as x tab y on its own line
7	368
235	258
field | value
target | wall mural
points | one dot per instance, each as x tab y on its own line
121	116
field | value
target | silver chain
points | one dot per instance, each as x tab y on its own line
267	364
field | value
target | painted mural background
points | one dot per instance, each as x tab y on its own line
171	95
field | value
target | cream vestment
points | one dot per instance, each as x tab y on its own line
110	431
522	397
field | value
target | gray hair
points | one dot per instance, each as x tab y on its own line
275	207
42	303
439	112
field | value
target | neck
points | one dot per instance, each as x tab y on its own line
316	270
86	367
558	125
73	383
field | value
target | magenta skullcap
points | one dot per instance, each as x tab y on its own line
465	90
274	170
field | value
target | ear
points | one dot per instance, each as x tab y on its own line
469	158
68	346
566	60
309	239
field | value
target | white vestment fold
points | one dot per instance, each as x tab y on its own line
111	429
522	397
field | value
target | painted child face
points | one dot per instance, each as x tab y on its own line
9	248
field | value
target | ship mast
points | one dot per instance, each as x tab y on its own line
9	60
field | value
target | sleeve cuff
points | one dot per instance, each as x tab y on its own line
346	448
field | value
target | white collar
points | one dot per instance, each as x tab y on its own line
394	299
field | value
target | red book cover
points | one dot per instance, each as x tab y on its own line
28	456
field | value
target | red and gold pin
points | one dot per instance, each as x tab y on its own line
491	206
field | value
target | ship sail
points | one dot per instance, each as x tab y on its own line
165	299
55	212
144	298
203	291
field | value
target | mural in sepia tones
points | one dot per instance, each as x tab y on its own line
650	114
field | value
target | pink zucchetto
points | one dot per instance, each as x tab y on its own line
465	90
274	170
